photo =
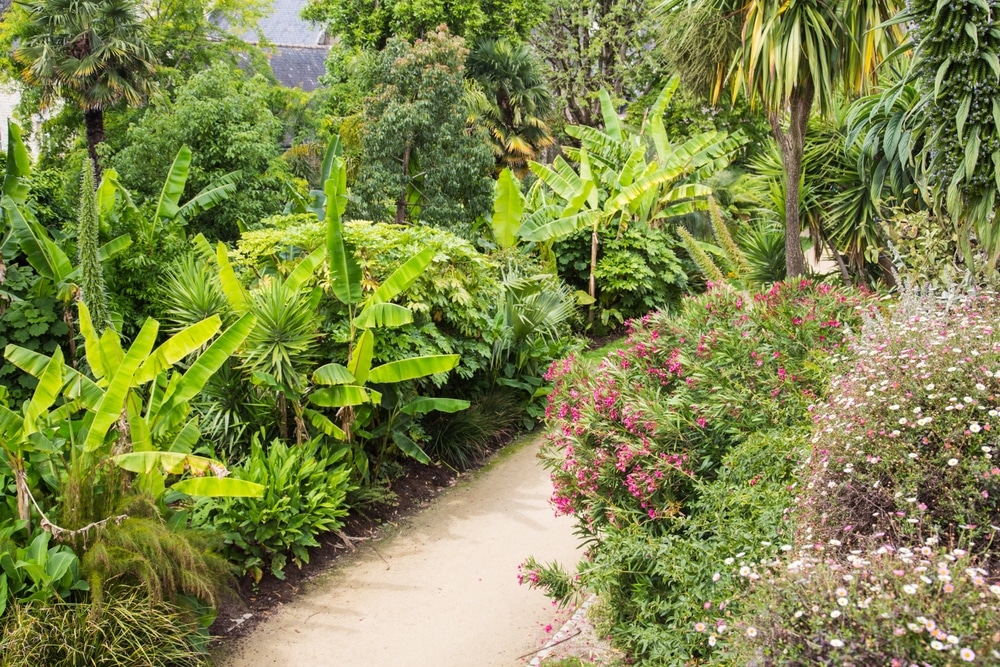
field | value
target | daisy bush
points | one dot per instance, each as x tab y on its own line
909	442
897	607
678	453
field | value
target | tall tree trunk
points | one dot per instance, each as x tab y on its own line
401	202
592	282
94	121
791	143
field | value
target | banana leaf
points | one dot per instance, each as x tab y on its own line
426	404
414	367
508	209
383	315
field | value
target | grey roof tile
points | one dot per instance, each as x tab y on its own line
299	67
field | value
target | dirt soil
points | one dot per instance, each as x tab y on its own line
436	588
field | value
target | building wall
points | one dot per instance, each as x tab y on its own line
8	100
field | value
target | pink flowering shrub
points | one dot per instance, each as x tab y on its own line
894	607
677	454
628	442
907	444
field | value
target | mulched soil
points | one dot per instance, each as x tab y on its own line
419	485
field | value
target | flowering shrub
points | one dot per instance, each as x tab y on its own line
895	607
677	455
628	442
907	444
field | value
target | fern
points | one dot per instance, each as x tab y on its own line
709	269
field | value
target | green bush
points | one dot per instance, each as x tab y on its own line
637	272
450	301
124	631
306	489
33	569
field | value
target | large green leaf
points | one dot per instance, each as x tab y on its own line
343	396
113	247
50	384
414	367
562	226
111	405
560	177
612	124
508	209
403	276
178	346
235	293
360	362
172	463
410	448
345	273
77	387
384	315
426	404
213	487
210	196
332	374
305	269
47	258
91	341
173	187
207	364
641	187
657	132
15	184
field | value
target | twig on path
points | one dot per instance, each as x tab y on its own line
551	645
379	555
348	540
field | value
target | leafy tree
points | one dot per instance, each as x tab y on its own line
93	53
510	100
791	55
371	23
591	45
223	117
418	160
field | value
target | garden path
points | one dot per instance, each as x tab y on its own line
439	590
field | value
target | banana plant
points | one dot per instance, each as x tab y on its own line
132	410
616	184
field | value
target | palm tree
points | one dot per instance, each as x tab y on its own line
507	96
90	52
793	55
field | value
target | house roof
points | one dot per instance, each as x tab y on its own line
285	26
299	66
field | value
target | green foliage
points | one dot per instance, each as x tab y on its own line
35	571
507	96
954	129
223	117
306	488
450	300
638	271
583	61
88	228
465	438
32	319
163	561
371	25
122	631
418	161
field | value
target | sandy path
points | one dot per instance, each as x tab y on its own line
442	591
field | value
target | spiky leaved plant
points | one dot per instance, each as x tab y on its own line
709	268
88	229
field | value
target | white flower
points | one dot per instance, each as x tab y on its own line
913	455
967	654
952	639
909	589
729	561
842	602
744	571
894	407
711	640
835	613
980	386
975	427
937	646
751	632
836	643
930	387
699	627
953	462
995	589
716	576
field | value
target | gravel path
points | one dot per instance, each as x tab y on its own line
439	590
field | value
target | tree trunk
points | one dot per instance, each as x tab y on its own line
401	202
791	144
94	121
594	239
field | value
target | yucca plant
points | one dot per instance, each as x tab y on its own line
191	293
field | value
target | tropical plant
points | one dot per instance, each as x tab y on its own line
617	187
306	490
92	53
37	571
510	100
88	229
792	54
